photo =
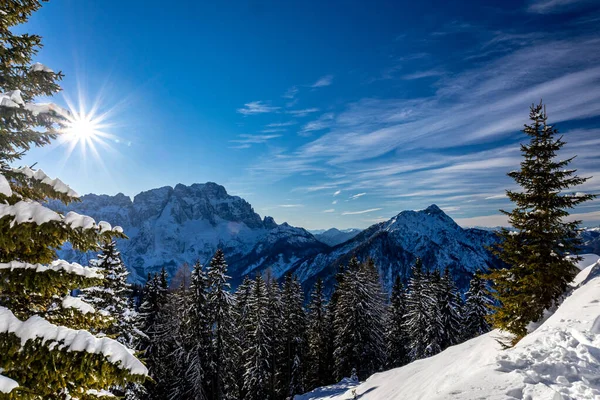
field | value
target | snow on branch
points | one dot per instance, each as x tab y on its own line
39	175
58	266
68	339
33	212
13	99
7	384
78	304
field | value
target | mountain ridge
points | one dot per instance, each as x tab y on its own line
170	226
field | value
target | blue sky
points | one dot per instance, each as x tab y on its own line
325	113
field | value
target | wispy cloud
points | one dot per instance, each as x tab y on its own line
246	141
329	210
360	212
553	6
356	196
323	122
337	192
256	107
290	205
281	124
423	74
323	81
303	112
290	93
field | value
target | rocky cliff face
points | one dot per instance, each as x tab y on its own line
168	227
171	226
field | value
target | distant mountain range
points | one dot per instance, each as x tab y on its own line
333	237
170	226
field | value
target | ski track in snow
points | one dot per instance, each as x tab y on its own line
560	360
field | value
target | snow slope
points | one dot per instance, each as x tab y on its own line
560	360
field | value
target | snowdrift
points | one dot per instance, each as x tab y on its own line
560	360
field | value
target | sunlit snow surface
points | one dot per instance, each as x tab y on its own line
559	360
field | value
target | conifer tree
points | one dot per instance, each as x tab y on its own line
537	250
450	311
358	324
198	344
434	334
275	338
396	335
224	341
319	372
477	308
417	315
293	336
34	286
242	315
257	375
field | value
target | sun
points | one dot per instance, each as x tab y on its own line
81	128
86	129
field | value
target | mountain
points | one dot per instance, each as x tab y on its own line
395	244
591	240
554	361
333	237
168	227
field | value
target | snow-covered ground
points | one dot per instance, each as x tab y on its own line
560	360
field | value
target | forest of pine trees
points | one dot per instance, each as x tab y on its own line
267	340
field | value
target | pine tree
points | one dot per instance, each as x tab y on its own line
293	335
273	331
198	344
34	286
477	308
113	298
242	315
358	324
257	375
450	311
434	334
224	341
319	372
417	318
537	250
396	335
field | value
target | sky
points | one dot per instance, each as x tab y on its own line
324	113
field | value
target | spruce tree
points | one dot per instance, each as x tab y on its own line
417	318
34	286
273	331
224	341
450	311
537	251
319	372
257	356
242	315
477	308
396	335
358	324
293	336
198	344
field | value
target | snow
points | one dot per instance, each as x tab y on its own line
559	360
100	393
331	391
40	67
70	340
7	384
78	304
28	211
58	266
56	183
33	212
5	187
11	99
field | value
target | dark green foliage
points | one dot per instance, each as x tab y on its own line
396	334
536	251
359	321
